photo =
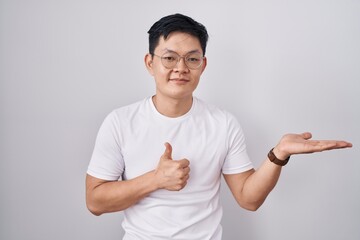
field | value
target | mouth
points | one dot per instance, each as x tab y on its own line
179	80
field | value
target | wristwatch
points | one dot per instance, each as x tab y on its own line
275	160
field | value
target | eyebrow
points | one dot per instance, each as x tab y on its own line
172	51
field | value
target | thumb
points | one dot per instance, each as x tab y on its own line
168	151
306	135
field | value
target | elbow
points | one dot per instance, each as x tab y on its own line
251	206
93	208
99	208
95	212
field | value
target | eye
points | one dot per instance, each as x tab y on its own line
193	59
169	58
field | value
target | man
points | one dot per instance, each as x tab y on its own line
172	191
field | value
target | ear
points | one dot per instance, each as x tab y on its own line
203	66
149	63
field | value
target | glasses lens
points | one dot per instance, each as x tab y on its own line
193	60
169	60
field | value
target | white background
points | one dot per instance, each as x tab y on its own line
279	66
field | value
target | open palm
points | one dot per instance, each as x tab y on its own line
300	143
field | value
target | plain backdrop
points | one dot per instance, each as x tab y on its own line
278	66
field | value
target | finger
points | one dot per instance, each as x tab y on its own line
183	173
322	145
168	151
185	178
306	135
338	144
184	163
345	144
186	170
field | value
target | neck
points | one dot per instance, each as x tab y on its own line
172	107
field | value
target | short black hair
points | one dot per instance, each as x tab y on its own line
176	23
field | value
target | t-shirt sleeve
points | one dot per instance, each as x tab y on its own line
237	159
107	161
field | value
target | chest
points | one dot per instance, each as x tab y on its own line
201	142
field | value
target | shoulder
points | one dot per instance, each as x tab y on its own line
127	113
213	111
133	107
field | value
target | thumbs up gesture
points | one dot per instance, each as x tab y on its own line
172	174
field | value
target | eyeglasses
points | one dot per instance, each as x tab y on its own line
171	59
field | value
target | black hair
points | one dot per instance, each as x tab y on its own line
176	23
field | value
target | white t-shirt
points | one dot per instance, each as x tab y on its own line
130	143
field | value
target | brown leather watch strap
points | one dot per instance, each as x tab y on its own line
275	160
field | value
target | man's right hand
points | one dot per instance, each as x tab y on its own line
172	174
103	196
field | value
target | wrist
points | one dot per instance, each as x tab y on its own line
153	182
276	160
281	155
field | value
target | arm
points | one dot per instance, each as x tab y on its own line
251	188
110	196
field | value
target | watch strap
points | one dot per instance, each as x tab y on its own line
275	160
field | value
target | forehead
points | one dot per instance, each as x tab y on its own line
179	42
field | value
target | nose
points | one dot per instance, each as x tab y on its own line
181	66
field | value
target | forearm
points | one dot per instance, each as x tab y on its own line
259	184
116	196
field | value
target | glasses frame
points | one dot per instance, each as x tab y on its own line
179	57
